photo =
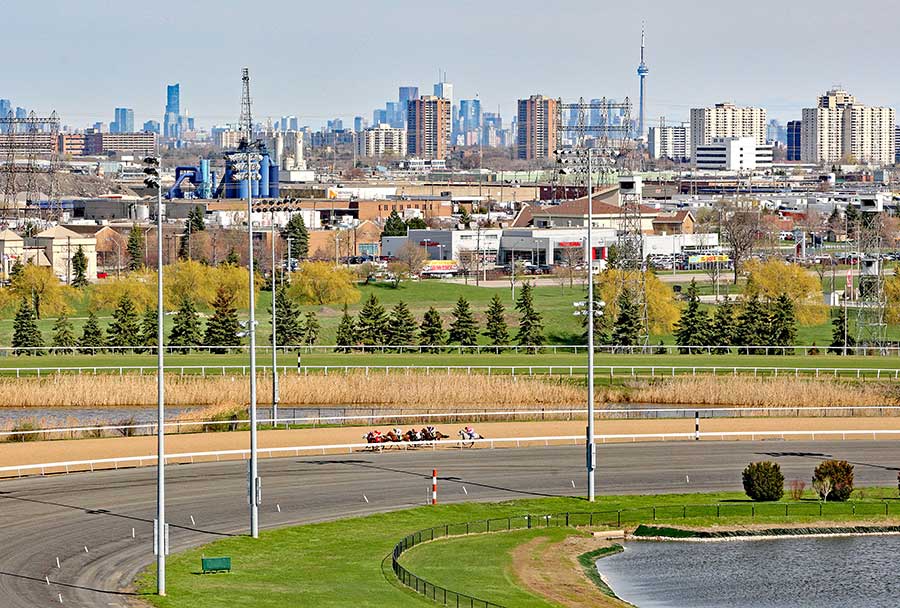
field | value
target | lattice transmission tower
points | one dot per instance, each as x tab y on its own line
871	327
30	149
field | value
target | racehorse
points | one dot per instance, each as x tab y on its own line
467	440
433	436
392	437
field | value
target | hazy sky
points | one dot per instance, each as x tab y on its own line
345	57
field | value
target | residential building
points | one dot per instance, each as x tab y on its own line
739	154
727	120
124	121
428	127
794	140
670	142
897	144
839	128
72	144
57	245
382	140
537	118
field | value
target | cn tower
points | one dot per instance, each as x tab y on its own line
642	71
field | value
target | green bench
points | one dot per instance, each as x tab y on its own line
215	564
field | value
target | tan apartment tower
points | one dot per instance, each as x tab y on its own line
428	127
537	128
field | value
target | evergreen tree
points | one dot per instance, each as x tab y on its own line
463	329
372	323
63	335
135	248
125	329
288	321
782	323
531	327
602	321
232	259
196	222
311	329
394	226
496	329
752	327
16	270
295	231
401	330
346	332
79	268
92	340
841	338
722	329
627	327
416	223
431	331
692	328
223	326
187	330
149	325
465	218
26	339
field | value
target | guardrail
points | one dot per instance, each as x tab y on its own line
518	442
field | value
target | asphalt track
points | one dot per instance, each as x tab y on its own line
45	518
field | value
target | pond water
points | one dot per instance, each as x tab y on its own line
781	573
54	417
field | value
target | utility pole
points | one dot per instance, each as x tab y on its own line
591	447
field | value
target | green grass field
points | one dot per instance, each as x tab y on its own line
343	563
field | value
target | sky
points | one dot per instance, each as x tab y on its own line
341	58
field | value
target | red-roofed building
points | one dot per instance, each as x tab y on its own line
680	222
573	214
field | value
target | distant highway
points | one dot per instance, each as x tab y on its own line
45	518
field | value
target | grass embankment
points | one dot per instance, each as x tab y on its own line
342	563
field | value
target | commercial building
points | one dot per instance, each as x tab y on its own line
733	154
124	121
428	127
382	140
670	142
839	128
171	122
537	128
56	246
141	144
727	120
794	140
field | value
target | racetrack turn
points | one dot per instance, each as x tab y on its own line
45	518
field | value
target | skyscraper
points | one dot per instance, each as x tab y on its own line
469	116
444	90
5	109
794	139
151	126
428	127
406	95
840	128
642	72
173	112
536	136
124	121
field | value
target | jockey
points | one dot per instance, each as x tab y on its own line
470	432
376	435
397	432
430	430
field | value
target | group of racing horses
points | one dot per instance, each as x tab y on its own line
428	433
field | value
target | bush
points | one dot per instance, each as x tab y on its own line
763	481
797	488
25	427
833	480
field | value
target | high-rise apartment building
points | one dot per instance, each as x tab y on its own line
124	121
670	142
726	120
897	144
171	122
382	140
840	128
536	128
428	127
794	139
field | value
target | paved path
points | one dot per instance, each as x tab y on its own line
45	518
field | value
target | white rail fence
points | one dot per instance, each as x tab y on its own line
519	442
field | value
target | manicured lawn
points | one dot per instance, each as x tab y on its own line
342	563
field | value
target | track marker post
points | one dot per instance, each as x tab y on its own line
434	486
365	499
57	563
696	426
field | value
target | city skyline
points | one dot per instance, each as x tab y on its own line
699	57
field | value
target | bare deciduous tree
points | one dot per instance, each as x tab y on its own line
412	256
740	228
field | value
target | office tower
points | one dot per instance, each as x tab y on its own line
359	123
21	113
395	118
469	116
151	126
642	72
379	117
428	127
727	120
100	127
841	129
407	94
536	128
670	142
173	112
794	139
776	133
5	109
444	90
124	121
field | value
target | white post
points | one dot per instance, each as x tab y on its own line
251	330
591	447
160	400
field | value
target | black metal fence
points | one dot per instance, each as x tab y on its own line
614	518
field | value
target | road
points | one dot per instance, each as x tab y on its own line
61	516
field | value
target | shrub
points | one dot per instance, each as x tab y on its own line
797	488
25	426
125	425
763	481
833	480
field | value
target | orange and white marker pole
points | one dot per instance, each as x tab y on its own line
434	486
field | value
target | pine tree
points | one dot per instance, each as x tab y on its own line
149	331
722	329
463	329
135	248
627	327
125	329
841	338
402	327
311	329
496	329
295	231
372	323
416	223
783	323
531	327
232	259
187	329
79	268
63	335
346	332
288	320
394	226
431	331
752	327
16	271
26	339
92	340
196	222
223	326
692	328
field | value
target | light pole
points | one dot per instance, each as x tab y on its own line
253	488
274	334
152	169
